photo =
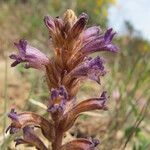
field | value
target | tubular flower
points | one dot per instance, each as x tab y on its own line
58	100
21	120
30	55
91	68
94	43
29	137
71	115
72	43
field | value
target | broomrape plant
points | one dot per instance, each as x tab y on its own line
72	44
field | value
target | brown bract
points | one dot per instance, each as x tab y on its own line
67	40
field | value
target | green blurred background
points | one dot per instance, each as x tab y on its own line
126	124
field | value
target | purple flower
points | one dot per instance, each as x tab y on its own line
92	68
71	115
29	137
94	42
58	100
21	120
90	33
31	56
49	22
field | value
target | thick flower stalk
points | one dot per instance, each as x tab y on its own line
71	64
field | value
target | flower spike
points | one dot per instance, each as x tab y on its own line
72	43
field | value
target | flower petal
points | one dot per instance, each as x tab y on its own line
57	102
49	22
91	32
30	138
81	144
21	120
91	104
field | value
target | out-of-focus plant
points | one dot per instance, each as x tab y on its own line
96	8
71	65
131	98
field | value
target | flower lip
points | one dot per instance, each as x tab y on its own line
13	115
12	129
109	35
29	137
95	142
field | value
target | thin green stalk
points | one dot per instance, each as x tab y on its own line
5	98
137	123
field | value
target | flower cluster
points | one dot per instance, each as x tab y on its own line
71	64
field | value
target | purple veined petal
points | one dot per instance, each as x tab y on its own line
56	108
80	144
49	22
36	58
54	94
15	63
13	56
90	32
70	117
13	115
20	120
107	33
100	43
63	92
29	137
29	55
108	36
58	100
21	46
91	68
94	75
60	92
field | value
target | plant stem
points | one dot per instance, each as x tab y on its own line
58	140
5	99
5	95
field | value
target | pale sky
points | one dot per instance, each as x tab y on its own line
135	11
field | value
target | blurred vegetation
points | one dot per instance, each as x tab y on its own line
126	124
